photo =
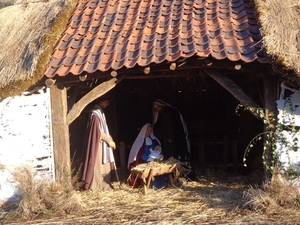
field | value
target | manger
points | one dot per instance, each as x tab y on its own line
146	171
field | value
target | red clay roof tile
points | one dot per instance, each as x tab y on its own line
112	34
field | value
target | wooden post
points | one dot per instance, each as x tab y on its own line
60	133
270	97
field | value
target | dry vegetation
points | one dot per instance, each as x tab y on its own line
281	33
29	32
214	199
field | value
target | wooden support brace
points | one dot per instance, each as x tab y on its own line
235	90
98	91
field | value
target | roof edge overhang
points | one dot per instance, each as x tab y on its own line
160	70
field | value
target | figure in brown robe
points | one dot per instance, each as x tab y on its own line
98	158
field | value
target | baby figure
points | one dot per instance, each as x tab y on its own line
155	154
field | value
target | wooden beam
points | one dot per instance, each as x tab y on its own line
60	132
73	92
98	91
191	63
235	90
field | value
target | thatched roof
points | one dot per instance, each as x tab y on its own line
28	32
280	21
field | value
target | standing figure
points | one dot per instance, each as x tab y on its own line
170	128
98	158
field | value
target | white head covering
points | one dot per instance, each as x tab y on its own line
137	144
107	154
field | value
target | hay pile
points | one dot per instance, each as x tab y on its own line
281	32
214	199
28	32
156	164
40	197
273	196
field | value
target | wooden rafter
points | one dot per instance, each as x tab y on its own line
235	90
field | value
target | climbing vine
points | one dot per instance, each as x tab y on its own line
273	136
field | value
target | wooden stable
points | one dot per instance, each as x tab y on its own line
125	59
131	108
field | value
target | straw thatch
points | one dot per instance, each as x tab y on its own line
30	29
281	33
28	33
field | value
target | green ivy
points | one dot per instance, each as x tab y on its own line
273	135
297	202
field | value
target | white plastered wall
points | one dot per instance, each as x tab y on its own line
25	139
289	114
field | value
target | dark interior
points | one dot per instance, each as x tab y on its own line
218	135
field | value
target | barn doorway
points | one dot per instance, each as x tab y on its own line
217	134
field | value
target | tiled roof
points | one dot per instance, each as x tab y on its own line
111	34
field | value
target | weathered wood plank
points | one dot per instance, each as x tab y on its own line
98	91
60	133
234	89
72	96
270	98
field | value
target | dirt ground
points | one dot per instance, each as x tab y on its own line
211	200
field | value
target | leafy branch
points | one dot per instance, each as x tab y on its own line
273	135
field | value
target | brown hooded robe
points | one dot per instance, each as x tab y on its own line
96	174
